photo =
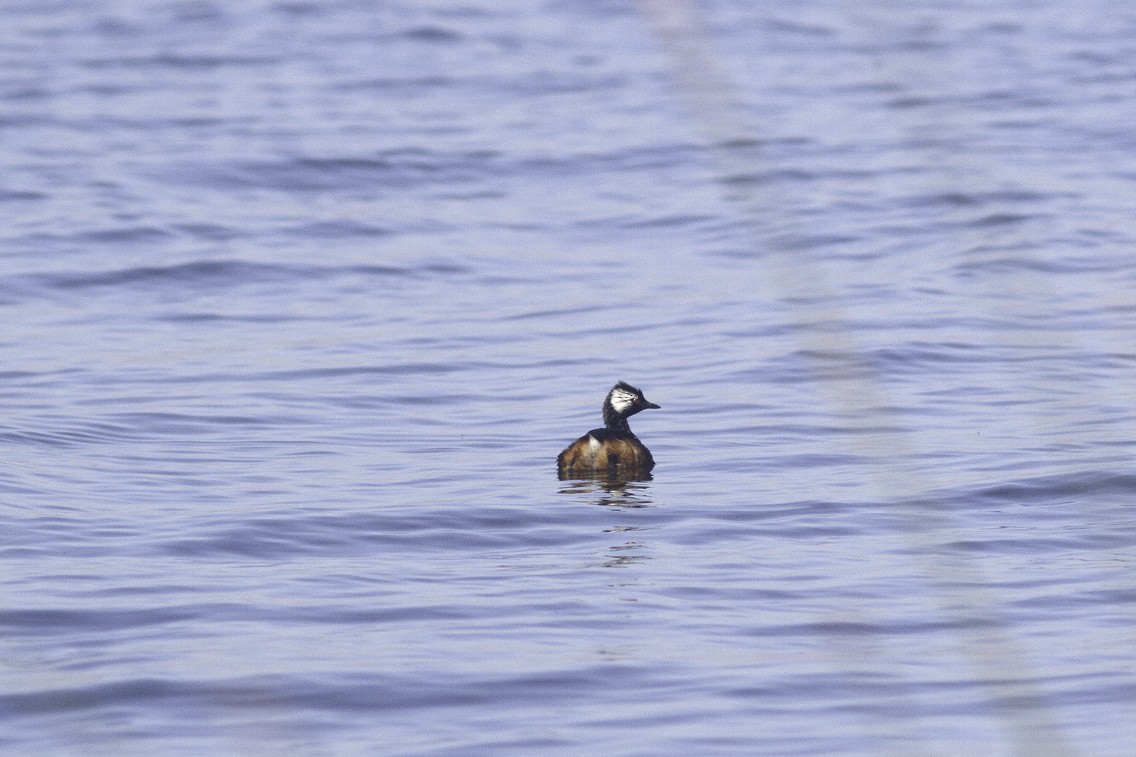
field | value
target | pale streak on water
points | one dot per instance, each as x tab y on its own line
990	647
302	299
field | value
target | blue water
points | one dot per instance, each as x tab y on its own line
300	301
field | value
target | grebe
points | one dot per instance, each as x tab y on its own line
613	449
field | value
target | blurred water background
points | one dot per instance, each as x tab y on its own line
300	300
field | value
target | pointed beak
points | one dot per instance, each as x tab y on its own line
650	406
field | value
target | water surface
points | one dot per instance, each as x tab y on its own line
301	300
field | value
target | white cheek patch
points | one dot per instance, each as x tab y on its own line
621	400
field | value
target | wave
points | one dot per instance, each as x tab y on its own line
212	275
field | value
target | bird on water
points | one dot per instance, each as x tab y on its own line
612	450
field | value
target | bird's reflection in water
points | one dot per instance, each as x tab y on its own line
616	494
612	492
623	555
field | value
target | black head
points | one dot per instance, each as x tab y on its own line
624	401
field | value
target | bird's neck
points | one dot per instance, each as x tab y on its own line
613	421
